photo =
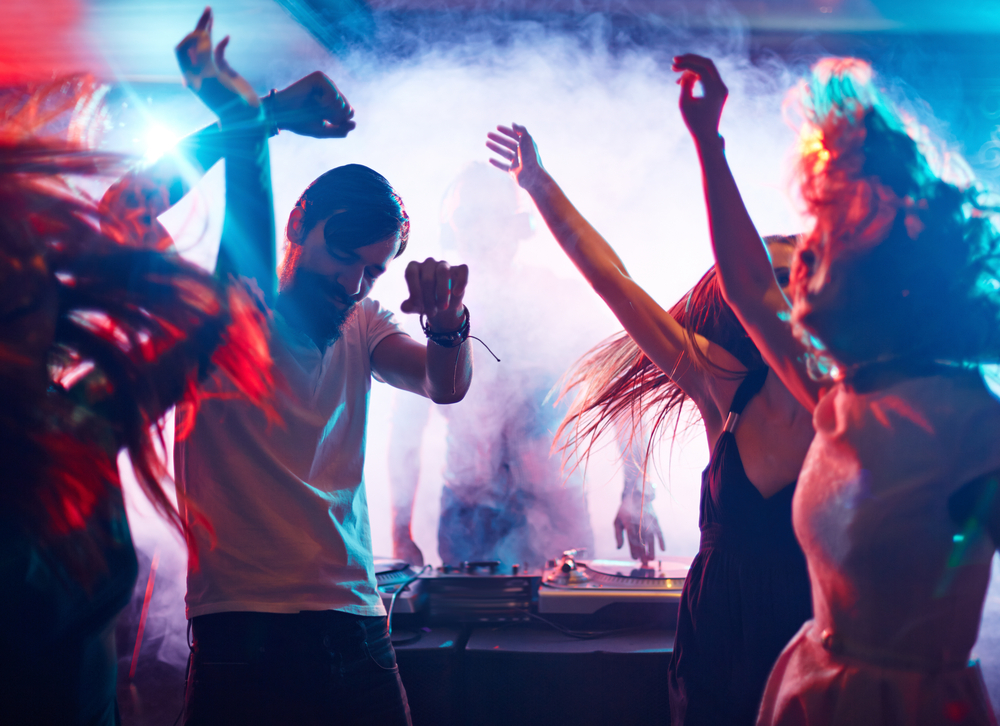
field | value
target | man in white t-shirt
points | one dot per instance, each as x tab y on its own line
287	624
284	592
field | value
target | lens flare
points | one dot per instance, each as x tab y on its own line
158	141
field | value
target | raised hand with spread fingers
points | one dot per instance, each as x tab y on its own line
518	154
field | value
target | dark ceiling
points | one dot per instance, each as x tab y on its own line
133	38
946	51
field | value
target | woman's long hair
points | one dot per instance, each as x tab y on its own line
99	335
924	251
618	388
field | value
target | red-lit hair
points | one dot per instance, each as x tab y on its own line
619	387
924	253
100	335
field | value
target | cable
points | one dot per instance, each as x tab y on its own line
584	634
412	637
392	602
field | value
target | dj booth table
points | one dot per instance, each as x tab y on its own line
576	643
527	674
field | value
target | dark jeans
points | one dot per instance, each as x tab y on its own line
323	667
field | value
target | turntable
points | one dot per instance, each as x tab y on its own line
390	576
594	592
575	587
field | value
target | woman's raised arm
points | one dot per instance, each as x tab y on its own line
656	332
741	259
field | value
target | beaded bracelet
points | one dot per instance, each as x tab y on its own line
447	340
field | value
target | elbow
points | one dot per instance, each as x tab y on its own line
610	283
451	394
450	382
447	398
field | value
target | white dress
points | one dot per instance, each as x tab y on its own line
897	585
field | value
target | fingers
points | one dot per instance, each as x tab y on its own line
342	111
442	285
501	151
687	81
220	57
635	542
194	52
510	143
459	281
698	63
428	288
705	69
334	131
314	106
412	304
205	21
619	532
338	109
343	106
651	533
434	286
509	156
513	131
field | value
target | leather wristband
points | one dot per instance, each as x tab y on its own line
448	340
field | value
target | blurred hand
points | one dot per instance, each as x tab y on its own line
701	114
641	537
405	549
210	76
436	290
518	154
313	106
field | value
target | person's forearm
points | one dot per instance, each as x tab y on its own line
741	258
449	372
187	162
247	247
588	250
191	158
633	474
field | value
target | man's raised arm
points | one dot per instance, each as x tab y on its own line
312	106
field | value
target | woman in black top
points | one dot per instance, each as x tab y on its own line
747	592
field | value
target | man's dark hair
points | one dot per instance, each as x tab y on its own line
362	206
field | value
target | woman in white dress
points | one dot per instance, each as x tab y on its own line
895	305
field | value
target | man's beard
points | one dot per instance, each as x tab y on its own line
327	329
319	318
